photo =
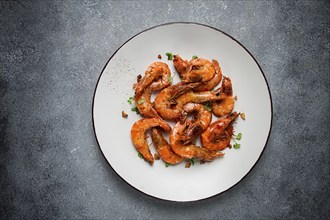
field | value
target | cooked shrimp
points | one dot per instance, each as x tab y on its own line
226	105
142	100
201	70
163	148
209	85
196	70
218	135
223	107
162	82
198	97
166	99
144	105
190	150
157	72
200	121
138	135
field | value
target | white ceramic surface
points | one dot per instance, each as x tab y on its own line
114	87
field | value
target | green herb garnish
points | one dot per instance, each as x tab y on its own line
135	109
237	146
167	164
194	57
192	161
130	100
140	155
237	137
207	106
170	78
141	101
169	56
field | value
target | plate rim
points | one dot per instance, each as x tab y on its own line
189	23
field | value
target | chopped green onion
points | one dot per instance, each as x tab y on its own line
167	164
207	106
170	79
130	100
135	109
141	101
194	57
140	155
169	56
192	161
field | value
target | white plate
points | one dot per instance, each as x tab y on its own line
114	87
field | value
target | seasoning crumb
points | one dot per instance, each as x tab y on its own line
159	56
243	115
156	156
138	78
235	97
230	146
201	161
188	164
124	114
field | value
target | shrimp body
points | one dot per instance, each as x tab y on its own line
144	105
138	135
196	70
209	85
163	148
166	99
203	117
189	150
225	105
200	121
157	72
198	97
218	135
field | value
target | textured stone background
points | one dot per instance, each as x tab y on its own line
51	55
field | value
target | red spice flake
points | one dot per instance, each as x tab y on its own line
159	56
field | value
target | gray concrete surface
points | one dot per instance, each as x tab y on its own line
51	55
